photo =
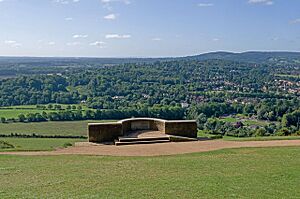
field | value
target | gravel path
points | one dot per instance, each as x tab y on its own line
171	148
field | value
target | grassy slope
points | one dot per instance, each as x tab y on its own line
47	128
37	144
15	111
265	138
235	173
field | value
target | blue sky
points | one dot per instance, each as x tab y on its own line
146	28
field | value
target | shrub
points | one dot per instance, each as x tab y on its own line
283	132
214	137
6	145
67	144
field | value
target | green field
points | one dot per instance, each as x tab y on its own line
37	144
233	173
247	122
229	119
287	75
14	111
263	138
75	128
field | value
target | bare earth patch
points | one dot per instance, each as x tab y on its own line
157	149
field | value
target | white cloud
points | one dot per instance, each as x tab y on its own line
111	1
61	1
99	44
73	44
107	3
79	36
295	21
264	2
205	4
13	43
156	39
10	42
110	17
117	36
51	43
65	1
68	18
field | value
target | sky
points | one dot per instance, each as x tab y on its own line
146	28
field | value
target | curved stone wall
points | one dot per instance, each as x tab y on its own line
108	132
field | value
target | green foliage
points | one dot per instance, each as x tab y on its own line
186	88
260	132
291	119
5	145
3	119
67	144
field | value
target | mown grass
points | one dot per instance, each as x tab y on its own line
245	121
14	111
37	144
202	133
75	128
229	119
287	75
232	173
265	138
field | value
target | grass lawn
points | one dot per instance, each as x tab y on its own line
229	119
256	122
15	111
287	75
245	121
47	128
262	138
37	144
232	173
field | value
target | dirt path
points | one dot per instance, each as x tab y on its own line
158	149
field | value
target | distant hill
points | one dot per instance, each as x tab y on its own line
253	57
69	61
277	58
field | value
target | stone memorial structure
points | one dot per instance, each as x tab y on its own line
141	129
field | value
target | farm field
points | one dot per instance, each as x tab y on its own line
287	75
75	128
232	173
14	111
37	144
247	122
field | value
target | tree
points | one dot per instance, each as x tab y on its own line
50	106
3	119
260	132
21	118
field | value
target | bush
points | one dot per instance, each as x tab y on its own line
67	145
260	132
214	137
6	145
283	132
